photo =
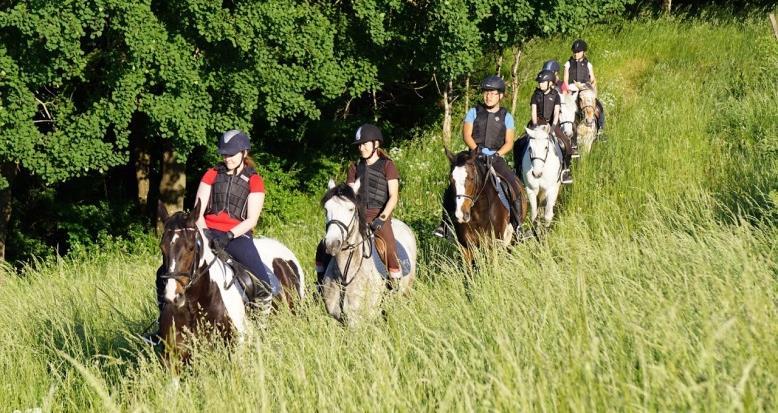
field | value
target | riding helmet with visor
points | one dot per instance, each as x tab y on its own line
233	141
579	46
493	82
368	133
551	65
545	76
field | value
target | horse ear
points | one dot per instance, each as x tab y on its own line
355	186
195	213
449	155
331	184
162	212
530	132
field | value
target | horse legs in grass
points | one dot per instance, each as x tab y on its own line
551	196
532	194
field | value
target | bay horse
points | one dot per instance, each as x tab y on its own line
478	211
541	170
353	286
201	294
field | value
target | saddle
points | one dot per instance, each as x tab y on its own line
380	257
252	289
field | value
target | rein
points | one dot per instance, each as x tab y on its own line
480	191
532	156
344	229
195	274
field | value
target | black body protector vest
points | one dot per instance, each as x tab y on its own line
489	128
230	192
546	110
373	187
579	71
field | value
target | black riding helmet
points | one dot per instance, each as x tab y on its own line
545	76
232	142
551	65
493	82
368	133
579	46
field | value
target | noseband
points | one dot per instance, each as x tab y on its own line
344	230
532	156
475	198
193	274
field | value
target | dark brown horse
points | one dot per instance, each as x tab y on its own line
201	294
477	211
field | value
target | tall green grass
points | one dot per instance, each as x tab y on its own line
656	290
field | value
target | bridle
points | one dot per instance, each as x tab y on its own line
475	198
344	230
532	156
194	274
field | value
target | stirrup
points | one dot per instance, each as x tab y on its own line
441	231
567	177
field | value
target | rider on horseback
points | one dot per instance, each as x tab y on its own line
233	193
580	72
545	105
489	129
379	192
553	66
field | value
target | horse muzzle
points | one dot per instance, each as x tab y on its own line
332	245
463	217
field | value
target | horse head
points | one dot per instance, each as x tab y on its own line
539	147
467	180
587	101
345	214
567	113
182	249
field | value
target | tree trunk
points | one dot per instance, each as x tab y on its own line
774	24
447	114
515	78
499	64
375	108
142	172
667	5
9	171
172	185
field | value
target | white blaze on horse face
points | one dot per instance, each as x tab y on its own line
459	174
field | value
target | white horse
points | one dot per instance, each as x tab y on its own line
567	114
541	167
353	286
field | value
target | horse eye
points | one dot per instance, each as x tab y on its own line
351	209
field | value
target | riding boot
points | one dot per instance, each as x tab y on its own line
567	174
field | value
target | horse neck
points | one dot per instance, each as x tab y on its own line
359	264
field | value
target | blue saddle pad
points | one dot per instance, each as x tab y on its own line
402	256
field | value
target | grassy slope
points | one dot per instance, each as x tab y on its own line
649	294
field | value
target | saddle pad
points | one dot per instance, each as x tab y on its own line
500	190
402	256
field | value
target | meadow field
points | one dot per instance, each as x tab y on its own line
656	289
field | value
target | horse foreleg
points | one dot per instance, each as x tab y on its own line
533	204
551	196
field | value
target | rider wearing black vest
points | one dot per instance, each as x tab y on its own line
234	194
378	190
545	106
579	71
489	129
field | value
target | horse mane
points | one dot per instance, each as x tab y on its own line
462	158
177	221
346	192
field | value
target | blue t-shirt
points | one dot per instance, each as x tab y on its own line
470	118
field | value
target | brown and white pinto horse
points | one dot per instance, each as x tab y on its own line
199	287
478	211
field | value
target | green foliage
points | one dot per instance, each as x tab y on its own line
646	295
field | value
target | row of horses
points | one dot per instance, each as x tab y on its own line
201	293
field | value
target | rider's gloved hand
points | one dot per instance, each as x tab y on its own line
488	152
377	224
220	239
